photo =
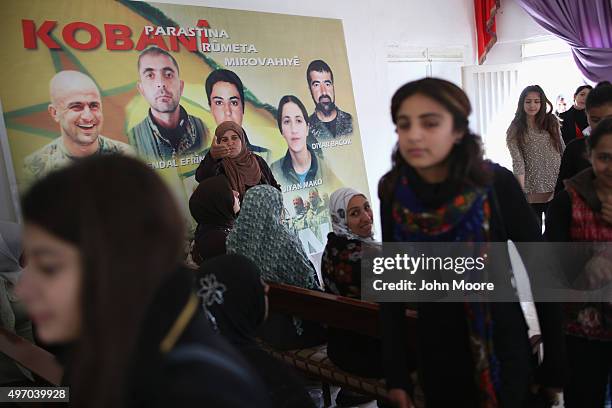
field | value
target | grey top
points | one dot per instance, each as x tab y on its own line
538	160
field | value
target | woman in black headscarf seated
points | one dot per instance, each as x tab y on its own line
235	300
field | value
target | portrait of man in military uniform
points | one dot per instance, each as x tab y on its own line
299	220
317	213
168	131
328	121
76	106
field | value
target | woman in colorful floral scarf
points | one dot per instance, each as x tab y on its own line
440	189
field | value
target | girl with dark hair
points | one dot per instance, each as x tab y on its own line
583	213
243	168
441	190
574	120
300	164
236	301
536	147
214	206
104	276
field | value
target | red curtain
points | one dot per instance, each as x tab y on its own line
486	35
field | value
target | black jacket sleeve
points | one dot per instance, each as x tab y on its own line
394	331
207	168
558	218
566	169
266	173
522	227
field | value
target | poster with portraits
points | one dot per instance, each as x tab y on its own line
154	80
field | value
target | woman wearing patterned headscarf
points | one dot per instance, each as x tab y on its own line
352	219
243	168
259	235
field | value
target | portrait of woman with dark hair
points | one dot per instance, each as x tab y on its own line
300	164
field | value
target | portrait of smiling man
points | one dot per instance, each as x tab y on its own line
76	106
168	131
327	121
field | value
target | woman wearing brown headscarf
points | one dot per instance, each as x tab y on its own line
229	156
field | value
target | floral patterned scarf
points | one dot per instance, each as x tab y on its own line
463	218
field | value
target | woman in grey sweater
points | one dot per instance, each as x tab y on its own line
536	147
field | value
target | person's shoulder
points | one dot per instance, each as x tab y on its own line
261	160
501	175
277	166
199	122
115	146
567	114
41	158
144	124
344	115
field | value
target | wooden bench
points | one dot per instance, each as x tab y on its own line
333	311
343	313
40	362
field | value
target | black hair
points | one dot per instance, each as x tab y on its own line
466	157
153	50
319	66
128	230
545	119
600	95
224	75
284	100
580	88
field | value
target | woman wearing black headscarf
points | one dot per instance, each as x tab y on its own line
236	304
213	205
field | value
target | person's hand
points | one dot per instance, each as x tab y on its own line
218	150
399	398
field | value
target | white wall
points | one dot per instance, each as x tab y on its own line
369	26
514	27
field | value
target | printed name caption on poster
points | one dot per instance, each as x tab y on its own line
300	186
183	161
332	143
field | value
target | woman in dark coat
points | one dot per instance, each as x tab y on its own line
104	276
235	299
582	213
574	120
470	354
229	156
214	206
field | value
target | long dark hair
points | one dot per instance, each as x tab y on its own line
466	163
129	233
544	120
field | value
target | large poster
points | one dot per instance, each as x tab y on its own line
154	80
